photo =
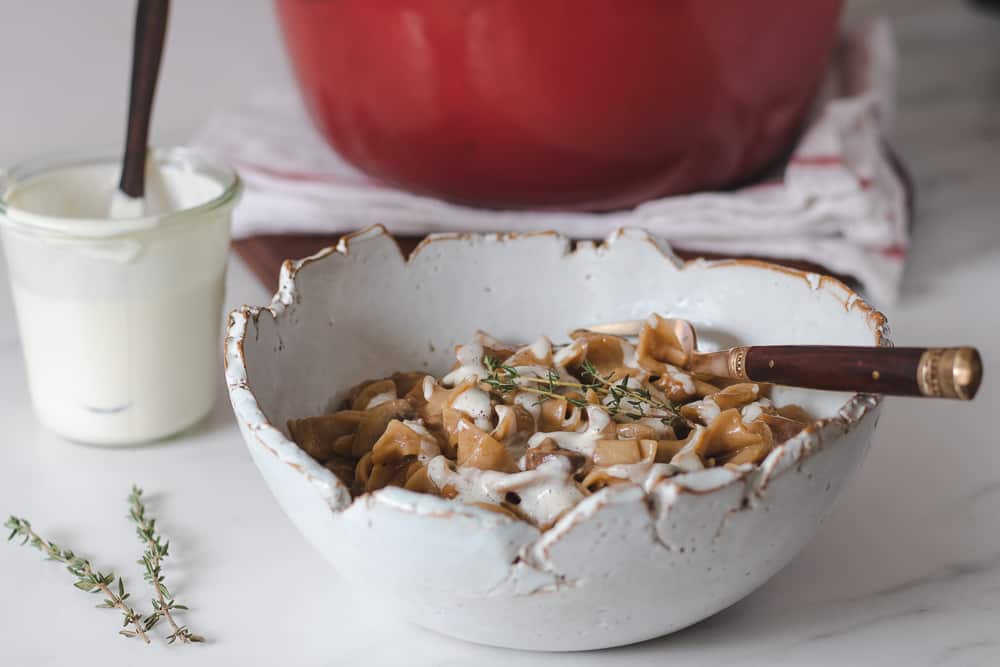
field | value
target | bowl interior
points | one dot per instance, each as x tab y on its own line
364	311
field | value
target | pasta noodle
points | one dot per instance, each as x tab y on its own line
529	431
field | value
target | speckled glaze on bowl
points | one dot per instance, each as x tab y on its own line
620	567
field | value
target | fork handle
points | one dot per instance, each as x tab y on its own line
949	372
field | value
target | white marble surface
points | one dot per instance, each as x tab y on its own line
906	570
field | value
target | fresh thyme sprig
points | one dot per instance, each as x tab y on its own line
622	400
152	560
500	377
87	578
635	400
504	379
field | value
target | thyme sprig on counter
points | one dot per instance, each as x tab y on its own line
152	560
620	398
87	578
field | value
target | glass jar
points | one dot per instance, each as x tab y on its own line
119	319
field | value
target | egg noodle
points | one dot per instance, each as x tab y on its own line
530	431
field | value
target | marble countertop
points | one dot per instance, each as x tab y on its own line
905	571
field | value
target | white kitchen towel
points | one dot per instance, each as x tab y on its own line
839	201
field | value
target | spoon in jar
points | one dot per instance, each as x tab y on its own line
935	372
128	200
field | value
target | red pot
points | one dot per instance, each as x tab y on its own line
559	103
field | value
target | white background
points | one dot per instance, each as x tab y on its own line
906	570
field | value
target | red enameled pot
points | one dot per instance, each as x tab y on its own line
582	104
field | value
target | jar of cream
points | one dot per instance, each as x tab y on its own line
119	318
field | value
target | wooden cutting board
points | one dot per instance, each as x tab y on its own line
264	254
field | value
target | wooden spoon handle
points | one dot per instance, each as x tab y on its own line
147	47
952	372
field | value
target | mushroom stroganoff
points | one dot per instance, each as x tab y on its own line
530	431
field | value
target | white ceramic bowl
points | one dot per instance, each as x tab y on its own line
621	566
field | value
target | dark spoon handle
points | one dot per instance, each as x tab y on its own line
147	47
953	372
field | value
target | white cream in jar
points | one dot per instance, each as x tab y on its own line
119	319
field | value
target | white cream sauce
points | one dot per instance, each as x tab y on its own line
706	409
583	440
688	460
379	399
646	474
541	348
475	403
428	386
429	447
629	358
752	411
470	364
545	492
568	352
685	380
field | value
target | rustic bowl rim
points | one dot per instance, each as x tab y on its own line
336	495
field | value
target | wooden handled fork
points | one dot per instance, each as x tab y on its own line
936	372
